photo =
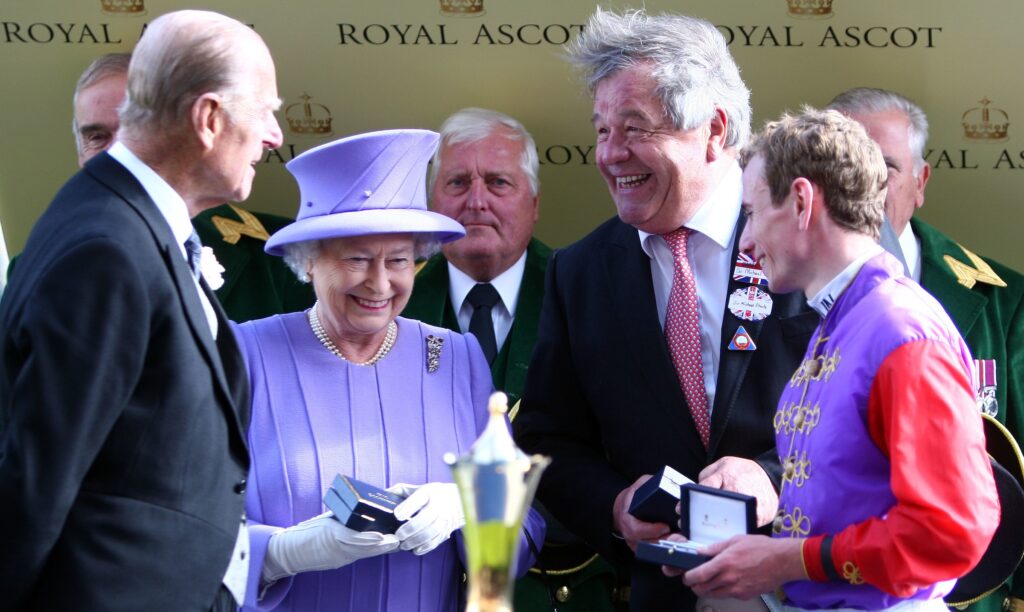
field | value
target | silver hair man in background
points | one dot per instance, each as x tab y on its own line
123	397
491	283
983	297
98	94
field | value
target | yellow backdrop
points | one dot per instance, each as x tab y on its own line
349	66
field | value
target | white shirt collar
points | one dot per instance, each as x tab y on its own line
824	300
507	284
171	205
716	217
911	252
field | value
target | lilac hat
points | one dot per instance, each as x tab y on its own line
366	184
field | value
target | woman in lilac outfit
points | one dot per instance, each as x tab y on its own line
350	387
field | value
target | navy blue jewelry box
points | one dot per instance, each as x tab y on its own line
655	500
707	515
362	507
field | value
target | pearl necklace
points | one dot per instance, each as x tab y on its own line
321	335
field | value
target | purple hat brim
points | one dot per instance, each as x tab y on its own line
366	222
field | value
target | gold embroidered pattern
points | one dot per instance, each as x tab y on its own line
232	231
821	366
795	524
852	573
796	469
795	417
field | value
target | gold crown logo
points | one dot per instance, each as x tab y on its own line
984	123
462	7
810	8
121	7
311	119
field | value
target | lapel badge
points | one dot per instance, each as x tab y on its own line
747	270
741	341
750	304
434	345
967	275
985	392
232	231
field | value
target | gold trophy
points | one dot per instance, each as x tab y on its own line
497	482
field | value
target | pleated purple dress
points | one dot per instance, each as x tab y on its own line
315	415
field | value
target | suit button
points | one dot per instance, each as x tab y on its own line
563	594
240	486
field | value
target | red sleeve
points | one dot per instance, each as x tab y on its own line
921	413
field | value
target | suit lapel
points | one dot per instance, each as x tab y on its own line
732	365
963	305
118	179
430	294
523	334
632	300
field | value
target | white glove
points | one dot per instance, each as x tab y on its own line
431	511
320	543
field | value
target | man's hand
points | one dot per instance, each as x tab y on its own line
745	566
632	529
747	477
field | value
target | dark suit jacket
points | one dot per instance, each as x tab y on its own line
431	303
256	285
991	320
602	397
123	455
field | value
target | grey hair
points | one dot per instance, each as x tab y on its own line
182	56
299	256
475	124
101	68
862	100
689	62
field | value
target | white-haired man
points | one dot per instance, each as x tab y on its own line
491	283
657	343
123	396
255	284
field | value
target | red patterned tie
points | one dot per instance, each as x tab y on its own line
682	332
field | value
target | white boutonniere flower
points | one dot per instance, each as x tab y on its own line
212	271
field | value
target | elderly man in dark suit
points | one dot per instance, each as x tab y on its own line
659	343
123	399
255	284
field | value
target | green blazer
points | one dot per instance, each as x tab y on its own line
430	303
256	285
991	320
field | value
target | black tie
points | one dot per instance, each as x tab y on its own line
194	251
483	297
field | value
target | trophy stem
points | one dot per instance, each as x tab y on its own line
490	591
496	482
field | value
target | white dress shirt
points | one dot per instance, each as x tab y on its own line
173	209
911	248
709	251
504	312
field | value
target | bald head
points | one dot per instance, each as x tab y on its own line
182	56
202	94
